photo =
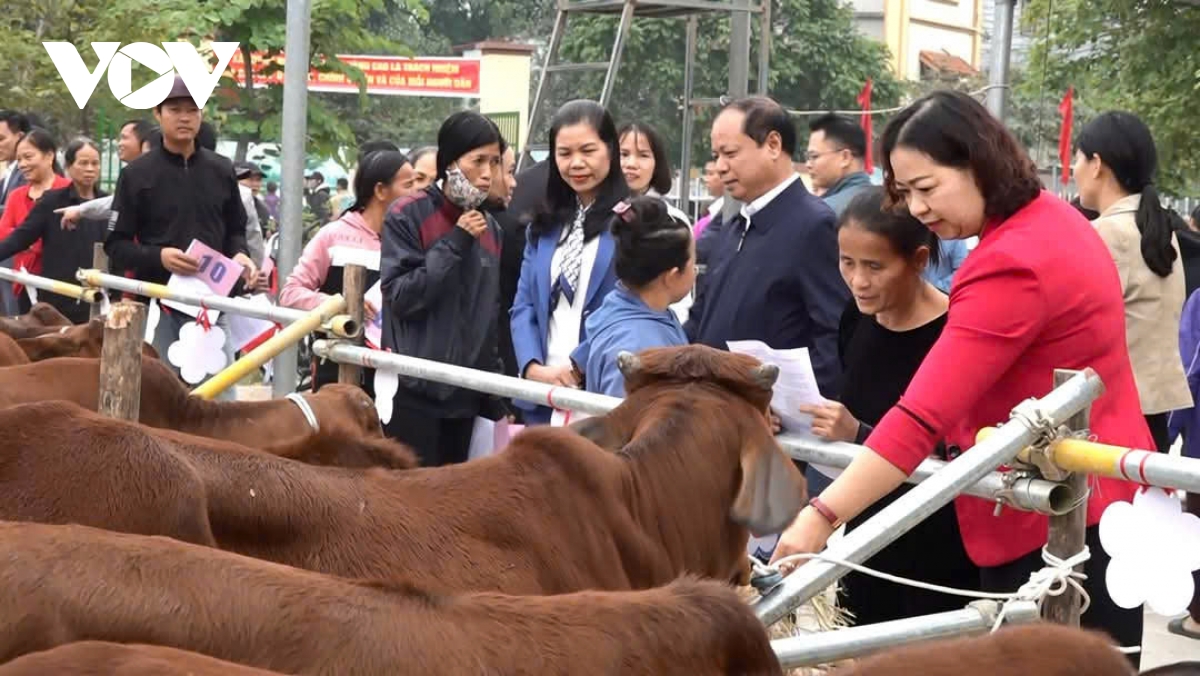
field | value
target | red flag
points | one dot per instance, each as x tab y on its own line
864	100
1066	109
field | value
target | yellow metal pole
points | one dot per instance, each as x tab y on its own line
1079	455
52	285
276	344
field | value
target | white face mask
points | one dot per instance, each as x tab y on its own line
460	191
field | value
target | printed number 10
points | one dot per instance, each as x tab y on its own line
218	270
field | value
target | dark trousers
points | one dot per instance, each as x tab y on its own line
1158	429
1124	626
1193	507
436	442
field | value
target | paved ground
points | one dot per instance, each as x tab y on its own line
1161	647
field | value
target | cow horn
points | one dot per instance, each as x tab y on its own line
629	363
765	375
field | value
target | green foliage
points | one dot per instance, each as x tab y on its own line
1135	55
819	61
30	81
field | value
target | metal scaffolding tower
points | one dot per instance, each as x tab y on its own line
739	55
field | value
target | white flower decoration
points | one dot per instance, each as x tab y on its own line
153	314
1154	546
197	352
386	384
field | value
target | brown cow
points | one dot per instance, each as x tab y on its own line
11	353
1027	650
37	321
166	403
553	513
97	658
81	340
72	583
58	454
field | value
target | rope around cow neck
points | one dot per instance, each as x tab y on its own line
306	409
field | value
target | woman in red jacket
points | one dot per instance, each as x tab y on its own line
1039	292
36	160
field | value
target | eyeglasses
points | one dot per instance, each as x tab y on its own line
813	157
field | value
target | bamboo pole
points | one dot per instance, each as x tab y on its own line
121	361
260	355
354	288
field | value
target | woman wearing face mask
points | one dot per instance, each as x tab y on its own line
1018	309
36	161
354	238
65	250
890	325
567	269
656	266
441	275
1115	163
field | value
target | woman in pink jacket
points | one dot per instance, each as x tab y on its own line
353	239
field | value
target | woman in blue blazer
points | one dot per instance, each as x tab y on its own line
567	269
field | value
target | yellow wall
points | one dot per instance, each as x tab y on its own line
911	26
504	85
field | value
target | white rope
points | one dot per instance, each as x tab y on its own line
309	415
1053	580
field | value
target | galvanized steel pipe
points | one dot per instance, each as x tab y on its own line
1028	494
843	644
927	497
339	325
52	285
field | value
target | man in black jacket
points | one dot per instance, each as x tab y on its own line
176	193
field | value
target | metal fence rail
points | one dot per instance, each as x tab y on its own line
931	495
843	644
52	285
1027	494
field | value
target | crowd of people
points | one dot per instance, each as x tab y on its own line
930	305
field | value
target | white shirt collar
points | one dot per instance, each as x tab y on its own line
748	210
716	206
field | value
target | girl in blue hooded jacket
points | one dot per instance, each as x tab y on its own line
655	264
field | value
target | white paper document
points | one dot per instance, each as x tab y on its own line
797	385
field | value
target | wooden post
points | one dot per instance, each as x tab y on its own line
99	262
121	361
354	287
1067	532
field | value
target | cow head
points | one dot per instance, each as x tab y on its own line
771	490
346	405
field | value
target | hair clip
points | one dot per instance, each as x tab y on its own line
625	211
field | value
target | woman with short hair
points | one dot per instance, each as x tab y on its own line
1020	308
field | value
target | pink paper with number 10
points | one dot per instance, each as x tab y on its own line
216	271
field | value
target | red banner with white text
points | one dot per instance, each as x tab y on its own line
389	75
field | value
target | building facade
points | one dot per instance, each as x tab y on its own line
926	37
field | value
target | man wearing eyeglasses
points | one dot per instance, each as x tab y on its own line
836	148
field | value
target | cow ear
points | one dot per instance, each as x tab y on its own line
597	430
772	491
